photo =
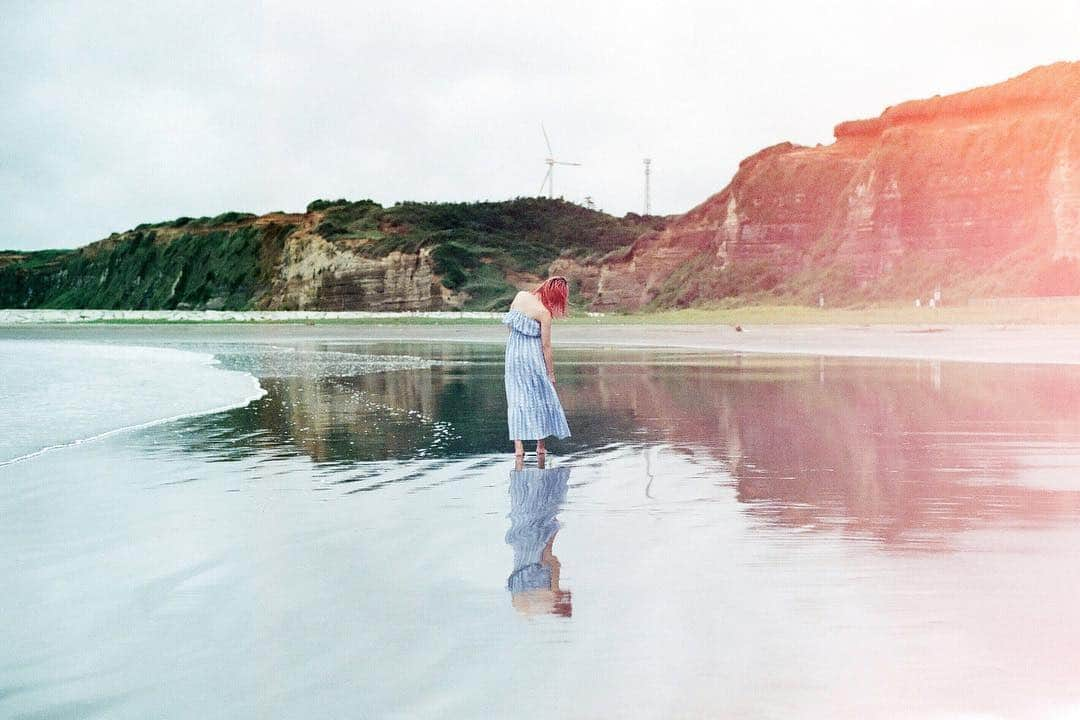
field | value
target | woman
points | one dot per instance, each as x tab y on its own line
532	406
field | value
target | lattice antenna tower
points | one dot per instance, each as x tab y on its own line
648	206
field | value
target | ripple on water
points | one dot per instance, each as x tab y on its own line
272	361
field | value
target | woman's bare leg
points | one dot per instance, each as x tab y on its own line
540	449
519	448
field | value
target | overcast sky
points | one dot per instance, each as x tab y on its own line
117	113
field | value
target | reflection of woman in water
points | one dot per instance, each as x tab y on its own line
532	406
535	497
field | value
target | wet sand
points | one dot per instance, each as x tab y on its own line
1056	344
971	343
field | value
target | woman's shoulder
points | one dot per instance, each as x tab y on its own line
526	303
525	300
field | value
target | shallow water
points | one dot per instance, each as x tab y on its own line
47	403
723	536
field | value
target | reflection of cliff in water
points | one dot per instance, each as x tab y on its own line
889	448
444	411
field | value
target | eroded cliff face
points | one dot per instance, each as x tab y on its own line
960	181
317	273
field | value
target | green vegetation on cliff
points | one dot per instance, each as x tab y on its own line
525	234
149	269
236	260
475	247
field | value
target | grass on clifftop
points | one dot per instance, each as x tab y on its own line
1063	312
524	234
1020	313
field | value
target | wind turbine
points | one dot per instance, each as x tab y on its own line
549	179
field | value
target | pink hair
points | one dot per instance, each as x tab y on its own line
553	293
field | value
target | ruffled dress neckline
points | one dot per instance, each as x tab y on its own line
522	323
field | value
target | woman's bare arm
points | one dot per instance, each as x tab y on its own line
545	339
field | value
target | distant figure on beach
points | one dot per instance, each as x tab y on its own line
536	495
532	406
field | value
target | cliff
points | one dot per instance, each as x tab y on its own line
338	255
977	193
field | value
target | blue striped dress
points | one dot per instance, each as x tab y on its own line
533	409
535	498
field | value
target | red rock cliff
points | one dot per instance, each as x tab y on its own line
965	179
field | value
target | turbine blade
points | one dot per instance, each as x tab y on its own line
560	162
550	151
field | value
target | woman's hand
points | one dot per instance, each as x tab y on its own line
551	377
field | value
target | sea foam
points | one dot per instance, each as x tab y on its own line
55	394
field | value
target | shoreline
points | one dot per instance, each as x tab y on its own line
1003	311
1015	344
1044	345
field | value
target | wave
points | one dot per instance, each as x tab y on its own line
56	394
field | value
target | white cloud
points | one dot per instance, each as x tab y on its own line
123	112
